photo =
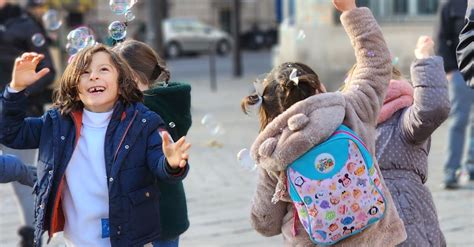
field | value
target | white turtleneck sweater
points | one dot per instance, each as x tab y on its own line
85	197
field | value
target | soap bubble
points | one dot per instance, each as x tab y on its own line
52	20
245	160
129	16
301	35
117	30
38	39
212	125
119	7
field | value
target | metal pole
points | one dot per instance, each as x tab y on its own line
154	35
237	67
212	66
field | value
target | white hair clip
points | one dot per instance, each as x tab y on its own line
294	77
258	85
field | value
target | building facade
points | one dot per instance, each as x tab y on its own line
311	33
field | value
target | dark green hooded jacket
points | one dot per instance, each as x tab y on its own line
173	104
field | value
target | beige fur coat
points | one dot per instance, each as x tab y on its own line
313	120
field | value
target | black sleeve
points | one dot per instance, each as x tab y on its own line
446	36
465	49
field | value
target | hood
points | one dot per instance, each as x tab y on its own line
298	129
173	104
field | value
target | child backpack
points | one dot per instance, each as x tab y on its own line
336	189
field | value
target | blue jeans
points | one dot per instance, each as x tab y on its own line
166	243
461	97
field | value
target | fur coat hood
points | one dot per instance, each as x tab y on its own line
298	129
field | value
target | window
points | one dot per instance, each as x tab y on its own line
400	7
427	6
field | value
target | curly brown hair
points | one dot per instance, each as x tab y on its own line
66	97
280	92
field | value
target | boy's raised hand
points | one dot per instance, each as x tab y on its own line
344	5
424	47
175	153
24	71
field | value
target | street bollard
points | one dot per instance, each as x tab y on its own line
212	65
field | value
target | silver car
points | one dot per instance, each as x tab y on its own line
184	35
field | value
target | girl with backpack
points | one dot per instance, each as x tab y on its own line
296	114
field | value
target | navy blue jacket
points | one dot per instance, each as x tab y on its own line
133	157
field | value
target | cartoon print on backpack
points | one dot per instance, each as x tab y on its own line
350	198
345	181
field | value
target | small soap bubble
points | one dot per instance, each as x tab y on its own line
212	125
129	16
395	60
301	35
38	39
52	20
117	30
172	124
119	7
79	37
245	160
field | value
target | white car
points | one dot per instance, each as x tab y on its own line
184	35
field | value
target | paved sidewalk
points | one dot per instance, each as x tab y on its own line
219	191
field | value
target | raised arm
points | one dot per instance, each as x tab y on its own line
431	103
367	85
18	132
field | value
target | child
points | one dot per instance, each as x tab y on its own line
406	121
100	151
12	169
296	114
172	101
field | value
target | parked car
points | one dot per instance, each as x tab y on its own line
184	35
256	39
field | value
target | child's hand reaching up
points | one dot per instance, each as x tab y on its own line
24	71
424	47
344	5
175	153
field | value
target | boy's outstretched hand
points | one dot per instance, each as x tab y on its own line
344	5
424	47
24	71
175	153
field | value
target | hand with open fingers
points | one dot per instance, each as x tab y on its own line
176	153
344	5
24	71
424	47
